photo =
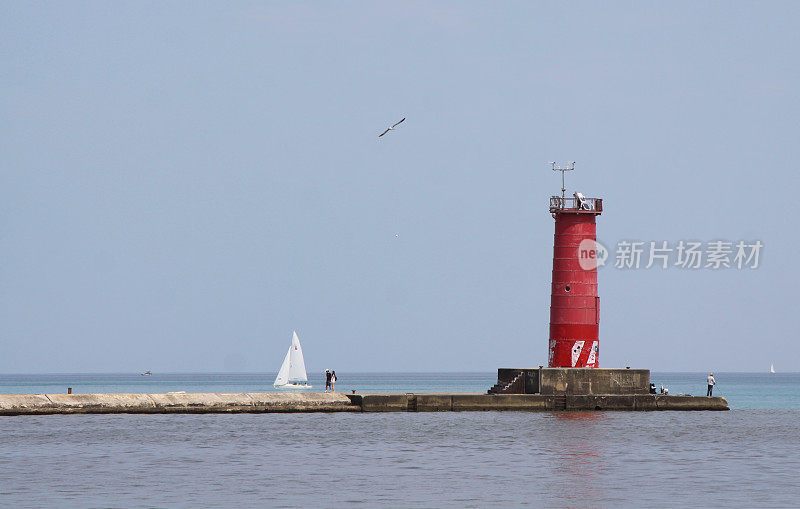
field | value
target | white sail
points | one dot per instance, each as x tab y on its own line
293	369
283	374
297	365
772	368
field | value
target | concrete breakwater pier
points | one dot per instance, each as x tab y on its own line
43	404
173	402
525	389
426	402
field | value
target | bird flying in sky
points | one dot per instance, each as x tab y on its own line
391	128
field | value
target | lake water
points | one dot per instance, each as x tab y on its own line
749	456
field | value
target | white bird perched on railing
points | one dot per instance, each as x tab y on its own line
581	203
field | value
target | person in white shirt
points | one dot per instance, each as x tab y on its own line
711	383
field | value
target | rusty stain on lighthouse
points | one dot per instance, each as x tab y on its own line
574	300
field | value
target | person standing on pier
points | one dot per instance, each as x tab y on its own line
327	380
711	383
333	381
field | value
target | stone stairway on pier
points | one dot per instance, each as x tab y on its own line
515	385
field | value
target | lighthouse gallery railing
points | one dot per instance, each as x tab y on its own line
588	205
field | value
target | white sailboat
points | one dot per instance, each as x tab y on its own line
292	374
772	368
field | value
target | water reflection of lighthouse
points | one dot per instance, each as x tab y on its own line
574	301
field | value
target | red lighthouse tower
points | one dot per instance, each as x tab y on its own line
574	302
574	321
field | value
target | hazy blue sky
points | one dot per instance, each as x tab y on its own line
182	184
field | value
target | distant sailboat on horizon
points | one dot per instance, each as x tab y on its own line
292	374
772	368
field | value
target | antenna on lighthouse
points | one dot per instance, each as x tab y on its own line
562	170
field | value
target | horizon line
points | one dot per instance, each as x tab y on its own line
353	372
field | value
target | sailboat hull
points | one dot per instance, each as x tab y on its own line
292	385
